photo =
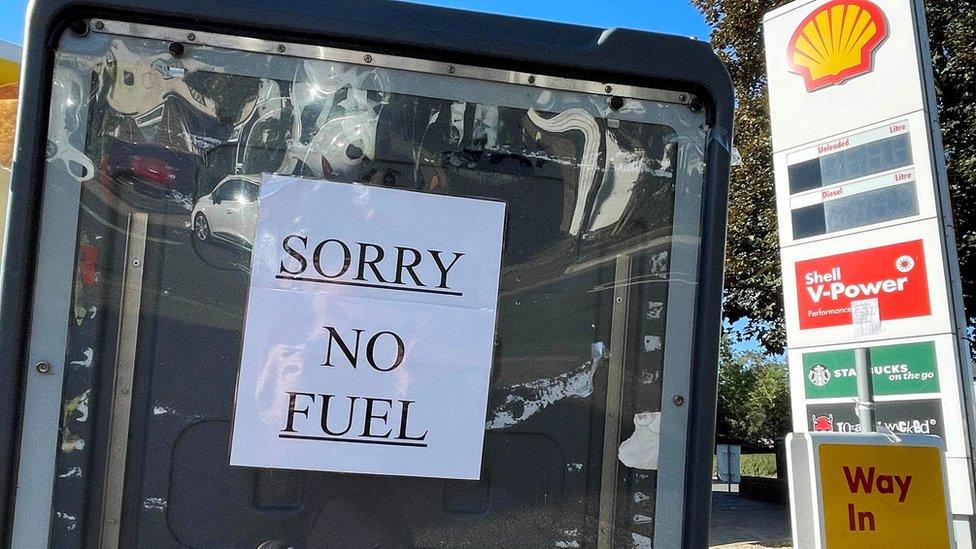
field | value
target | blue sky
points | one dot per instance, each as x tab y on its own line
670	16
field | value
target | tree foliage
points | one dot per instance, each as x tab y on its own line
753	398
753	287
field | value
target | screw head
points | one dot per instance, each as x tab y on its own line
191	37
281	48
608	89
43	367
368	58
136	262
99	25
531	79
679	400
451	69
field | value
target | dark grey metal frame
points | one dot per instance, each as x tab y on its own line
622	56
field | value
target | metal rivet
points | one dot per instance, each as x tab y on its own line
532	80
368	58
43	367
99	25
682	98
136	262
679	400
191	37
619	300
608	89
281	48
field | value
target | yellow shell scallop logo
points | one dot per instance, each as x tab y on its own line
837	42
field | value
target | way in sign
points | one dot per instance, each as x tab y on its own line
859	481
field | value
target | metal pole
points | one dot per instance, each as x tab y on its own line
728	467
865	390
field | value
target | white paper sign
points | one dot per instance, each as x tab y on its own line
369	332
866	316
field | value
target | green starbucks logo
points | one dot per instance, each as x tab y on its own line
819	375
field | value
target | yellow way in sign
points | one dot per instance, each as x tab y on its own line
883	496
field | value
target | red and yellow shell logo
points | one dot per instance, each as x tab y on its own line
837	42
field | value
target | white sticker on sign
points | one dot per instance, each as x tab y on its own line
369	331
866	316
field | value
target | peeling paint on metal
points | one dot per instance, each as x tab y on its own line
78	404
528	399
640	497
70	522
572	536
154	504
160	410
650	377
71	443
652	343
659	262
643	542
87	361
642	519
640	451
73	472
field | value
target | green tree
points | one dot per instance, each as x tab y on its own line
768	407
752	282
753	398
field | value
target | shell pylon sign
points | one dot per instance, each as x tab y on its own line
837	42
866	242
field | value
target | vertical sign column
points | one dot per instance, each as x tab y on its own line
865	228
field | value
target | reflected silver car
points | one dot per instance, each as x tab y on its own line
229	213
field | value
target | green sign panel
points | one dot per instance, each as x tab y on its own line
904	369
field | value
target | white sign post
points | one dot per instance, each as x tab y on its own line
865	226
369	331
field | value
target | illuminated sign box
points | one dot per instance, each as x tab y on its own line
154	130
861	292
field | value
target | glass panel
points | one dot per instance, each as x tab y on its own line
860	161
592	197
857	210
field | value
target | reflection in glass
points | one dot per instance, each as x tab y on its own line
590	191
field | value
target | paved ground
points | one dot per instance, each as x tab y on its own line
740	523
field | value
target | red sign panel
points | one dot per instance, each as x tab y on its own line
893	275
